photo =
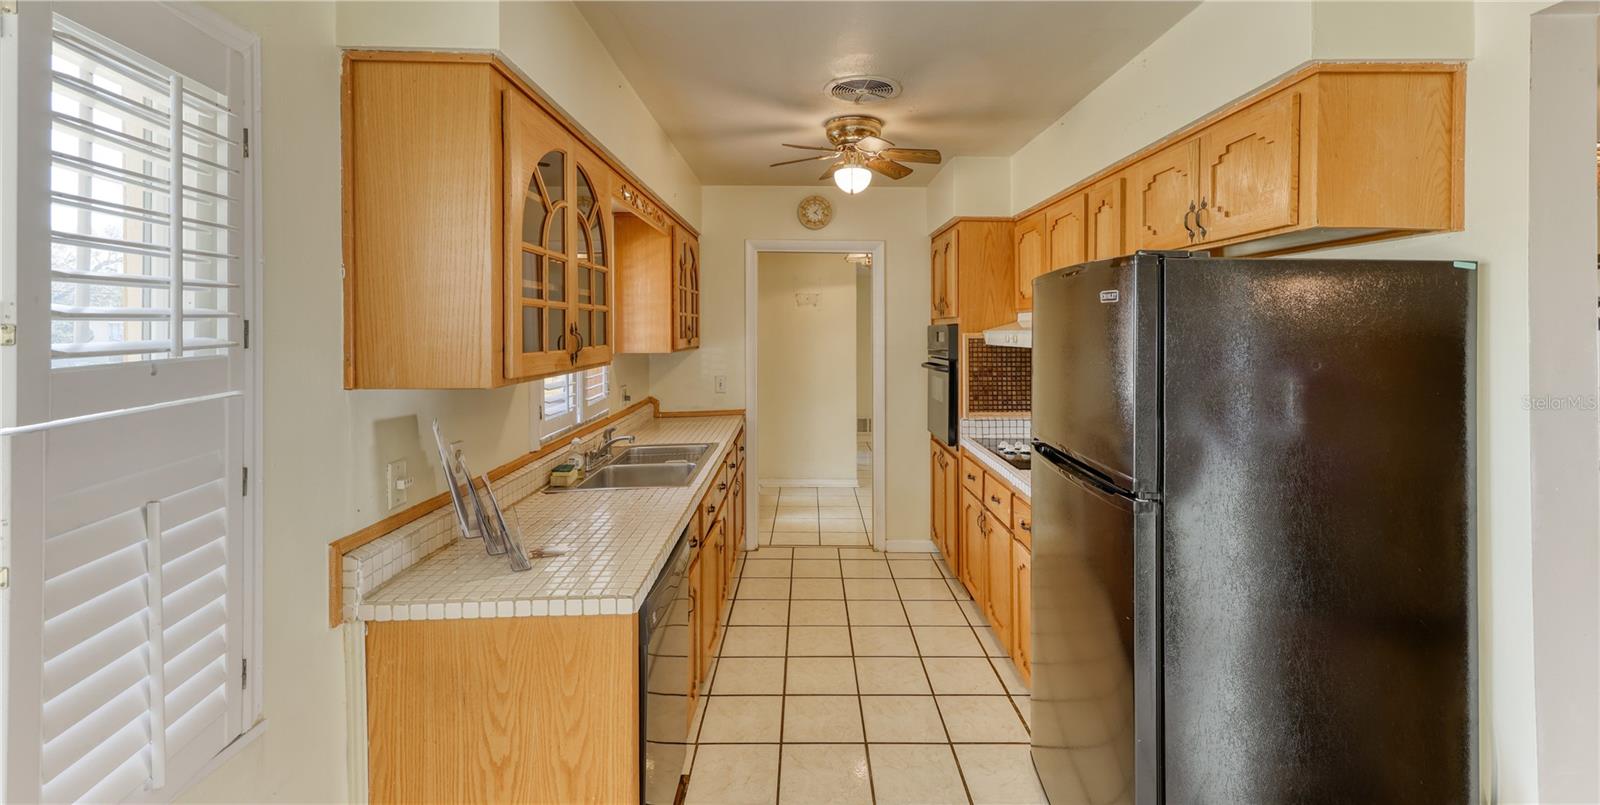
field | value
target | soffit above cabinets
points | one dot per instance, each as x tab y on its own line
729	81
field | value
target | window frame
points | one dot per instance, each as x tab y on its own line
580	410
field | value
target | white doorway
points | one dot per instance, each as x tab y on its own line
866	469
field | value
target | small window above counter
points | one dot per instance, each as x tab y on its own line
481	229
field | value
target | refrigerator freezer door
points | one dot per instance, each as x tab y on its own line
1086	643
1318	556
1095	367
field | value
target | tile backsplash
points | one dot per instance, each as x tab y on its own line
999	380
995	428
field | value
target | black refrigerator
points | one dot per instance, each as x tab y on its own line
1253	545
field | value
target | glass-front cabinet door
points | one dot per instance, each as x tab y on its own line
541	223
559	255
592	302
686	290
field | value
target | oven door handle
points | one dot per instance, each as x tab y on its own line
937	367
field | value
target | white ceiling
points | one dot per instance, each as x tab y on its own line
729	81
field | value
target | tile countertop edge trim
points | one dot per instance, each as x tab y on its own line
993	465
339	547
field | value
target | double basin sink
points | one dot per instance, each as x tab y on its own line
645	465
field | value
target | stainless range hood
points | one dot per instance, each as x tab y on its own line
1016	334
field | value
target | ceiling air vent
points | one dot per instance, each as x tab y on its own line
863	89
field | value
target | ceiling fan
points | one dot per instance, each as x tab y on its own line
858	151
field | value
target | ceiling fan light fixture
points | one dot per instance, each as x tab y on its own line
852	178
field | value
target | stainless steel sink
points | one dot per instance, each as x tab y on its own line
645	465
662	454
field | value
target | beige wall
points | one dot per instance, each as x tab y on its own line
895	215
806	376
325	447
969	187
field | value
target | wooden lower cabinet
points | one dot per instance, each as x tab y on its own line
1022	609
998	604
974	572
945	512
536	709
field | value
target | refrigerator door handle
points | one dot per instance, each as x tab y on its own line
937	367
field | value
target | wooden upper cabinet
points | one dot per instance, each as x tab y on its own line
973	275
686	289
1068	232
1029	251
1342	154
1165	196
480	245
1250	171
1107	219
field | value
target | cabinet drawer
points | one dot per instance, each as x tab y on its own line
971	476
1022	520
997	499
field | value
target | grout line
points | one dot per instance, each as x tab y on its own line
949	742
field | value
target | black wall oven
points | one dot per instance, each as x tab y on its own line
944	409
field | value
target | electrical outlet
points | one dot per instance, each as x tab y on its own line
397	482
721	383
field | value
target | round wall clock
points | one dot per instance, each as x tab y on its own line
814	212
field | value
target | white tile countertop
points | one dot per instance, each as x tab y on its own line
613	544
1020	480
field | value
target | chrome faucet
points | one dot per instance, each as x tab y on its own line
604	450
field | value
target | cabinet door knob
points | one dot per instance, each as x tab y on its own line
721	487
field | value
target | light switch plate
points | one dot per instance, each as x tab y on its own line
397	482
721	384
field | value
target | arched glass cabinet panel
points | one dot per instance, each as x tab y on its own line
558	232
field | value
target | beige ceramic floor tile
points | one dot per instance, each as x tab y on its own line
759	613
741	774
769	552
835	493
1009	676
915	569
799	492
1000	774
845	539
796	538
883	641
817	613
821	676
813	589
923	589
766	568
870	590
763	588
860	553
990	642
816	553
902	719
916	774
838	508
742	719
947	641
891	676
971	609
848	525
821	719
831	773
819	641
754	641
982	719
876	613
816	568
864	569
748	676
935	613
962	675
1025	707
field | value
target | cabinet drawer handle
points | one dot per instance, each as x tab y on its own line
1202	227
712	509
994	500
721	487
1025	525
1186	215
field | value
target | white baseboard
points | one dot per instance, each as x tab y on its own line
910	546
850	483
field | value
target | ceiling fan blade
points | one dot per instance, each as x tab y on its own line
873	144
805	159
925	155
809	147
888	167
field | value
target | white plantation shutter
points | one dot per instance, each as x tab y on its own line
558	404
129	431
596	394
